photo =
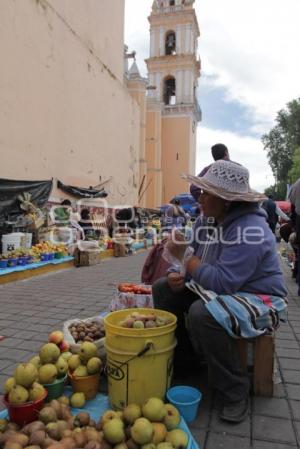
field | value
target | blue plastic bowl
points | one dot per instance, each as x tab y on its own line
22	261
186	399
44	257
50	256
3	263
12	262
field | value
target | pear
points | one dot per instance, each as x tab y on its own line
66	355
172	417
131	413
121	446
77	400
47	415
61	366
25	374
36	361
47	374
142	431
107	416
64	400
81	371
113	431
49	353
36	392
160	432
87	350
9	384
138	324
148	446
94	365
154	409
164	445
18	395
178	438
74	362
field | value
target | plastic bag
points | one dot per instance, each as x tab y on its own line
122	300
74	347
177	252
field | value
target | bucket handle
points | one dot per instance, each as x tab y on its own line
146	348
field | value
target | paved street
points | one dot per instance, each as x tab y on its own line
31	309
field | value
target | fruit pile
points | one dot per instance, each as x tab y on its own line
141	321
134	288
48	247
29	378
87	331
152	426
85	363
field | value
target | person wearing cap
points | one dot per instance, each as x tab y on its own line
175	215
219	151
232	288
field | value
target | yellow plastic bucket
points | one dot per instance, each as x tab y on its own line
139	361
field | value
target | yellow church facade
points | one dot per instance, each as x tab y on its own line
172	111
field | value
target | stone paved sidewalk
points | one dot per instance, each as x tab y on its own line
31	309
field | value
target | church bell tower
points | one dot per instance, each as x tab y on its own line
173	70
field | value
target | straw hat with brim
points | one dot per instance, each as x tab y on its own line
227	180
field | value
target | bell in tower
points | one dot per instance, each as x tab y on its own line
171	43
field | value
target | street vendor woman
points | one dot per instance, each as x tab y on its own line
232	287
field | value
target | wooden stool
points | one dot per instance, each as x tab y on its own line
263	362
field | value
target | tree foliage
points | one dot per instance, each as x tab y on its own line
294	172
278	191
282	141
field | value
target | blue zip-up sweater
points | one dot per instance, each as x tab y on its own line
242	257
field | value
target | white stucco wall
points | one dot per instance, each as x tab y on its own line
64	111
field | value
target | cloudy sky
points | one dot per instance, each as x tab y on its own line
250	70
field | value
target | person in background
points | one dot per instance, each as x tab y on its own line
270	207
219	151
62	212
175	215
294	198
90	233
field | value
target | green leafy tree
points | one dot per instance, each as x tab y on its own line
282	140
294	172
278	191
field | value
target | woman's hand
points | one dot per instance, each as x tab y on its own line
192	265
176	282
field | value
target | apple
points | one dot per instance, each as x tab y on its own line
56	337
64	346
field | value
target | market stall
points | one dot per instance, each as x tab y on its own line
24	218
56	399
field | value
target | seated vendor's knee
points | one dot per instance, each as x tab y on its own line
198	316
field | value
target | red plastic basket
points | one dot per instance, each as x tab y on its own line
24	413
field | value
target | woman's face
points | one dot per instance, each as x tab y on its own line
213	206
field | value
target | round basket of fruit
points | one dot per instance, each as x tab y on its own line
26	412
84	370
52	364
25	396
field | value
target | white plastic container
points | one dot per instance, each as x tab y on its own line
28	240
13	241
